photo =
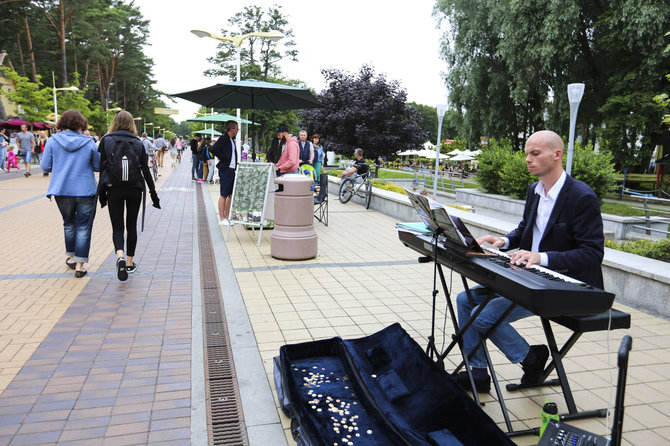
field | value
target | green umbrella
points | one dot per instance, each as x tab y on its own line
219	117
211	132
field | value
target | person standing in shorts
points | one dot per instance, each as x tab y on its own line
27	145
226	152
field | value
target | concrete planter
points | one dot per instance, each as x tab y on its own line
637	281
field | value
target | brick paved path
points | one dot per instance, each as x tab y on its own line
116	368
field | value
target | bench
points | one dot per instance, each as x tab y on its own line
579	325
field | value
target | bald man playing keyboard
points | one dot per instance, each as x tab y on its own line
562	230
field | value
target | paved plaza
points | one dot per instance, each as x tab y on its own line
95	361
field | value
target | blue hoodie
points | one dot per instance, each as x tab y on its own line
72	158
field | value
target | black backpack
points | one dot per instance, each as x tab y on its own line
123	164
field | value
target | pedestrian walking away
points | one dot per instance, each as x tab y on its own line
173	151
39	149
73	158
4	142
162	147
123	172
26	141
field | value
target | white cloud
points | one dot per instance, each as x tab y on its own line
398	40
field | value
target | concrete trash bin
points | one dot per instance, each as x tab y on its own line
293	237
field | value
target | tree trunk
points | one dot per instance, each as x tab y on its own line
103	99
61	36
23	65
74	52
31	52
85	83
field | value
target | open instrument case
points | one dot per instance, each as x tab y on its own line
381	389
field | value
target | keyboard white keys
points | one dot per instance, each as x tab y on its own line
542	269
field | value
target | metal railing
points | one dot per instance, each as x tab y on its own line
648	218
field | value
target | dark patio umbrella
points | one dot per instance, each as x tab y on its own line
252	94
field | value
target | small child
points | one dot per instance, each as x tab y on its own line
12	160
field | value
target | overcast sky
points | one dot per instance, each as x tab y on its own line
398	39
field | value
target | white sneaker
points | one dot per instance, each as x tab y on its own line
224	222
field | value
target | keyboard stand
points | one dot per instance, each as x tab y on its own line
457	340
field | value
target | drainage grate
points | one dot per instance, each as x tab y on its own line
225	422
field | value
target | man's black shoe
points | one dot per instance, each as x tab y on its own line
483	385
533	364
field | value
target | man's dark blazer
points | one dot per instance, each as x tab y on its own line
223	150
573	238
274	153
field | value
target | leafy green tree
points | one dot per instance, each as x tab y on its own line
35	102
258	56
367	111
508	76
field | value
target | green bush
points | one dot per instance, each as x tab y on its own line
504	171
594	169
388	186
659	250
494	156
515	177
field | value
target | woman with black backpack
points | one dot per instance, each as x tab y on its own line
123	171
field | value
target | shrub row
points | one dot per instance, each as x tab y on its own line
503	170
659	250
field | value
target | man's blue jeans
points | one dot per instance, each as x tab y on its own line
76	212
196	167
3	157
505	337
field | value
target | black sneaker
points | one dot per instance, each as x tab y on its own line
483	385
121	272
131	268
533	365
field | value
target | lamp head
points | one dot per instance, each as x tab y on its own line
441	110
575	93
273	35
200	33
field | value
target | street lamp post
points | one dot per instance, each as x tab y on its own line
152	127
575	93
441	110
137	119
237	41
71	88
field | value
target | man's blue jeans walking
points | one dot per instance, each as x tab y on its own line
506	338
196	167
77	212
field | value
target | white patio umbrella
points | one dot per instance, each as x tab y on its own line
461	157
454	152
425	153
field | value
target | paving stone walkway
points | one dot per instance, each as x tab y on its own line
95	361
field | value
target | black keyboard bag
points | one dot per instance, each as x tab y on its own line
381	389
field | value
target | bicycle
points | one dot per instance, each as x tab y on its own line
153	164
352	186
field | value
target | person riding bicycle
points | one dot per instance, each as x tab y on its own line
359	167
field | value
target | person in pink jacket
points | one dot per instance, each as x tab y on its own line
289	161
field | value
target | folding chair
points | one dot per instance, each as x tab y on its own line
321	200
